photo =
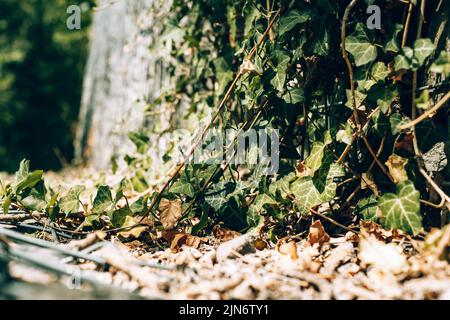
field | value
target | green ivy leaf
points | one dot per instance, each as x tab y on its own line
404	60
291	19
402	210
7	204
71	202
118	217
103	200
379	71
294	96
423	48
306	194
360	46
393	44
223	73
442	64
181	187
314	160
367	207
24	179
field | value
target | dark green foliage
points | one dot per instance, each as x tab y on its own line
41	70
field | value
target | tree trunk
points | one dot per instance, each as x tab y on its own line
121	78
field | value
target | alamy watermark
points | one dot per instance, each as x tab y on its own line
73	21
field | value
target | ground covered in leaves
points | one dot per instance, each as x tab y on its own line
371	263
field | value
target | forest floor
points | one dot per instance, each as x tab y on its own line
370	263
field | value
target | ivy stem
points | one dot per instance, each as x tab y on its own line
407	22
347	61
427	114
177	168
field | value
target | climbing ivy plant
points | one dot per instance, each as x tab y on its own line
358	111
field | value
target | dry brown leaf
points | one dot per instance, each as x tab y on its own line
224	234
317	234
302	170
370	228
178	239
288	249
170	213
396	166
260	244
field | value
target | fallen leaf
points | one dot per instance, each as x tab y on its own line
170	213
317	234
133	233
178	239
383	257
288	249
371	228
396	166
260	244
224	234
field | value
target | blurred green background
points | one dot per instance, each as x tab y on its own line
41	75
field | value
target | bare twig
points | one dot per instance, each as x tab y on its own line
427	114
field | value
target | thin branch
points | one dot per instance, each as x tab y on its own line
427	114
408	19
347	60
438	190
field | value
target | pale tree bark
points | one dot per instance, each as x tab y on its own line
121	78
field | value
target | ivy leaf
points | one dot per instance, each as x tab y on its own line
359	97
262	200
118	217
140	140
345	135
442	64
404	60
306	194
133	233
291	19
6	204
383	96
170	213
279	79
71	202
379	71
314	160
402	210
381	124
103	200
35	200
294	96
181	187
393	45
223	73
423	48
24	179
360	46
367	207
